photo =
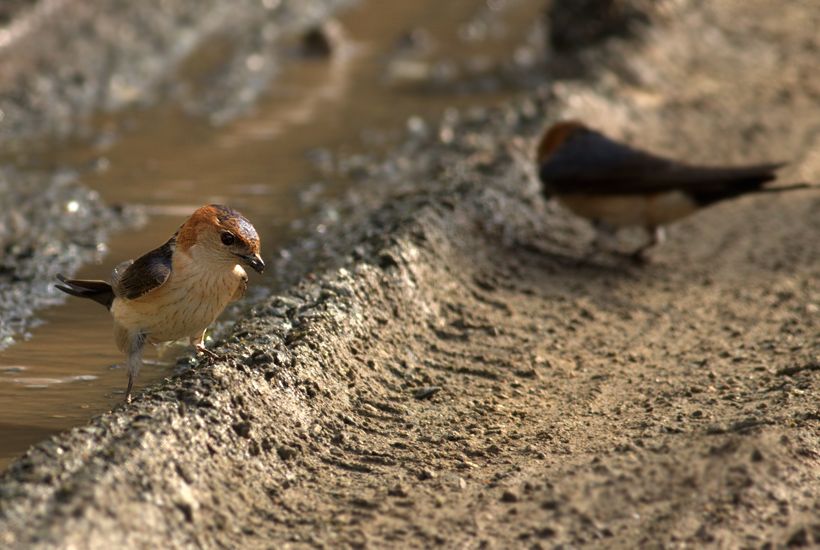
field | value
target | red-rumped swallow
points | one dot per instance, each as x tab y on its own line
615	185
177	290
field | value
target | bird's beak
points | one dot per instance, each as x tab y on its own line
254	261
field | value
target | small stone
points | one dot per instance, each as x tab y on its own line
259	357
361	502
242	429
509	496
798	539
321	41
426	392
426	474
286	453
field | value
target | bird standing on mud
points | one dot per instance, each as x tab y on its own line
177	290
616	186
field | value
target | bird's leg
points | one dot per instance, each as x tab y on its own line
605	235
660	235
657	235
136	343
197	342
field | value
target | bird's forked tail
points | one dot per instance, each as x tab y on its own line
99	291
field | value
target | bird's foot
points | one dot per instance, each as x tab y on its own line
640	257
128	389
200	348
657	235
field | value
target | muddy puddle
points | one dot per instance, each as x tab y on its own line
397	65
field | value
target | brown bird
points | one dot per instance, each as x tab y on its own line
615	185
177	290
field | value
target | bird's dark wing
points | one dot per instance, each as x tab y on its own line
146	273
588	162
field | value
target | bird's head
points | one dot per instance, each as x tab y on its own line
555	136
221	235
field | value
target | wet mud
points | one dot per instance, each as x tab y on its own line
49	224
65	60
455	369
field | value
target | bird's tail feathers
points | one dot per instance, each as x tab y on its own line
790	187
747	177
99	291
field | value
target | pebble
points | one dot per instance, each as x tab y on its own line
509	496
426	474
426	392
398	490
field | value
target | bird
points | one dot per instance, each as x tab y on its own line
615	185
178	289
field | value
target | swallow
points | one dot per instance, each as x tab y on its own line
615	185
178	289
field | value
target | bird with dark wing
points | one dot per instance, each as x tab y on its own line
615	185
177	290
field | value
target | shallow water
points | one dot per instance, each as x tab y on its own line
171	163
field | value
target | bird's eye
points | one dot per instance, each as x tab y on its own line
227	238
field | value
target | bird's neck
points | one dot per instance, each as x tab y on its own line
204	260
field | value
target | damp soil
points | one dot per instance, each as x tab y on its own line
458	370
269	125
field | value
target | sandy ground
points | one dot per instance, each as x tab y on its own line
457	371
